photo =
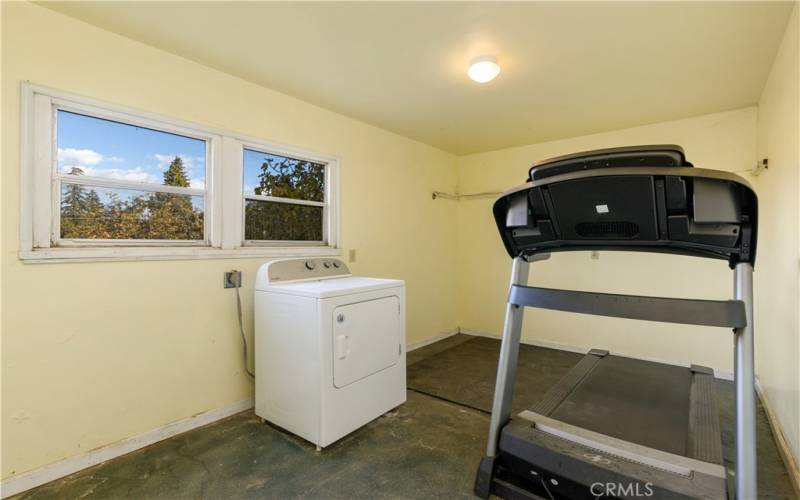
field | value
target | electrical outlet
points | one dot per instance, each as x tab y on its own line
351	257
233	279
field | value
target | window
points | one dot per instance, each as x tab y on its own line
284	199
121	182
104	182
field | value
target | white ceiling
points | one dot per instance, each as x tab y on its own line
569	68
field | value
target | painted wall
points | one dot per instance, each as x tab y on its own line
724	141
777	279
96	352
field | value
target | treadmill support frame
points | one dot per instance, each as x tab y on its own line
507	363
744	379
744	376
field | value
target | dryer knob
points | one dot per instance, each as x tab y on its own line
310	265
327	264
336	264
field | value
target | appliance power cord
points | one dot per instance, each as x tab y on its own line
241	332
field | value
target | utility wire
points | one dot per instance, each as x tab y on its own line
241	331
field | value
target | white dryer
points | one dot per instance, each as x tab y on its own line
329	347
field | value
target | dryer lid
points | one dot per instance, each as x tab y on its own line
325	288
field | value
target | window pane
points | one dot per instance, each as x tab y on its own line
274	175
267	220
89	212
104	148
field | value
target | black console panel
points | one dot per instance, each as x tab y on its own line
642	199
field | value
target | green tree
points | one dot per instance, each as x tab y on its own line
175	175
291	178
172	216
286	178
168	216
95	222
73	202
73	207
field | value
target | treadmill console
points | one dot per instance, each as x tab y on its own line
643	198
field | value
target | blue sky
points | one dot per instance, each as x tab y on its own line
103	148
252	168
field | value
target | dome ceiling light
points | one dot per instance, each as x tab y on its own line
483	69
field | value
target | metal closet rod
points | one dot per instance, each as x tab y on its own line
469	196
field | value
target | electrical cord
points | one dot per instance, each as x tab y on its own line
241	331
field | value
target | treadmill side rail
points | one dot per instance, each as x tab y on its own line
676	464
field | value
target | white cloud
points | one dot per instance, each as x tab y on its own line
85	157
130	174
165	160
79	156
197	183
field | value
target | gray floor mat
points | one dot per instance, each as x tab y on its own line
465	373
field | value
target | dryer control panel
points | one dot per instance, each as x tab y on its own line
291	270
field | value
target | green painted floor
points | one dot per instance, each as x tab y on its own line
426	448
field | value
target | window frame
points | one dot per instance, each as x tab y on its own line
58	178
223	192
266	148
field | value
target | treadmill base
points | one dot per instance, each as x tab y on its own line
577	443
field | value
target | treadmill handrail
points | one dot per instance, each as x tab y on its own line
722	313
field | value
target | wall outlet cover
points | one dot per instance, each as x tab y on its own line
233	279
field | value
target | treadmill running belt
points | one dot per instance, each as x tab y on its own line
638	401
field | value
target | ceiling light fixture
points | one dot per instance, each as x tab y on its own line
483	69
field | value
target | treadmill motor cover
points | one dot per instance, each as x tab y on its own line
642	198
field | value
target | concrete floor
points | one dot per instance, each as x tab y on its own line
426	448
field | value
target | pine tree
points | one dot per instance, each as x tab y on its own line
73	207
74	200
94	219
172	216
166	216
175	175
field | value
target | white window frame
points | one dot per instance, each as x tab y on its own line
58	178
223	192
267	148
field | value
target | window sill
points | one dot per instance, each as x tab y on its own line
117	254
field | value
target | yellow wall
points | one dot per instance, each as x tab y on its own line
724	141
96	352
777	279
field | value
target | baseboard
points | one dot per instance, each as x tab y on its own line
789	460
57	470
720	374
433	340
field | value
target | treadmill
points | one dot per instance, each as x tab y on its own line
616	427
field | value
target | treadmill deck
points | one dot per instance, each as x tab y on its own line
617	420
638	401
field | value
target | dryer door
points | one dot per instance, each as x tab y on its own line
366	339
